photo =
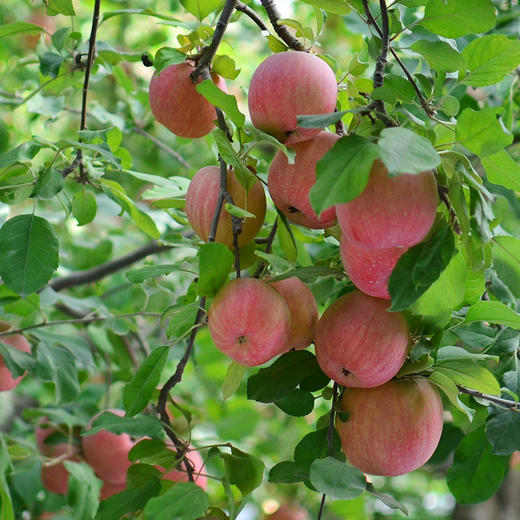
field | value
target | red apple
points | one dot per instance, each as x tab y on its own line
176	475
303	310
288	512
55	477
111	488
392	211
391	429
107	452
178	106
289	184
19	342
249	321
201	201
369	269
359	343
286	85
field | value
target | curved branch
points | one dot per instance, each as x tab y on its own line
243	8
281	30
508	403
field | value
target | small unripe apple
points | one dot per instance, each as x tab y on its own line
289	184
249	321
178	106
303	310
19	342
107	452
286	85
391	211
201	201
359	343
369	269
390	429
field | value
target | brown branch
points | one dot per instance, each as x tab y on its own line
270	239
507	403
281	30
243	8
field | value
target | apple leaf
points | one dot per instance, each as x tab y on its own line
234	375
440	55
502	169
446	384
287	472
215	262
493	312
84	206
320	120
468	374
476	474
503	431
60	7
332	6
388	500
136	426
16	361
218	98
342	173
242	469
83	489
337	479
201	8
296	403
184	501
19	28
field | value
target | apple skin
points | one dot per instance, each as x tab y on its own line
107	452
356	334
249	321
303	310
288	512
19	342
391	429
369	269
289	184
392	211
286	85
178	106
111	488
181	476
201	201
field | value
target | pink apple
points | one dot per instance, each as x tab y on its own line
359	343
369	269
391	429
303	310
201	201
178	106
249	321
111	488
19	342
286	85
289	184
392	211
107	452
55	477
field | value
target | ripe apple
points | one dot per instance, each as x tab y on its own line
360	344
178	106
288	512
391	429
249	321
369	269
392	211
289	184
19	342
176	475
201	201
107	452
111	488
286	85
303	310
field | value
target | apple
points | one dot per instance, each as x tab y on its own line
249	321
391	211
111	488
178	106
289	184
390	429
360	344
176	475
107	452
288	512
286	85
303	310
201	201
55	478
19	342
369	269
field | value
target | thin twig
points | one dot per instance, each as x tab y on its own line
163	147
240	6
508	403
270	239
281	30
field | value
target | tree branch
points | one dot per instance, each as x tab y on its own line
240	6
507	403
269	244
107	268
163	147
281	30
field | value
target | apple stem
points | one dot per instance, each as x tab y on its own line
281	30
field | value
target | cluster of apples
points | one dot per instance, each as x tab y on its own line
104	451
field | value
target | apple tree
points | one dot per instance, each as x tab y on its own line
258	259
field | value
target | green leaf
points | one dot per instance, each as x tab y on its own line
320	120
128	501
184	501
60	7
50	63
315	445
454	18
337	479
440	55
403	151
502	169
28	253
83	490
296	403
237	212
49	184
84	207
144	425
138	392
47	106
468	374
288	472
19	28
181	319
342	174
450	389
242	469
276	381
153	451
493	312
310	273
150	271
450	353
234	375
388	500
481	132
395	88
506	260
225	66
503	431
167	56
201	8
331	6
476	474
218	98
16	361
215	262
21	154
490	58
420	267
